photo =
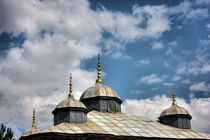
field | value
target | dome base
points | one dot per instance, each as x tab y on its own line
70	115
177	120
103	104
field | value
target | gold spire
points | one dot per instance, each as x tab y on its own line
174	98
34	120
70	87
99	80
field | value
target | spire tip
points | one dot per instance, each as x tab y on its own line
99	80
70	87
34	119
174	98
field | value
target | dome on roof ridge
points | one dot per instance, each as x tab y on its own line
33	129
99	89
70	102
175	115
101	97
70	110
174	109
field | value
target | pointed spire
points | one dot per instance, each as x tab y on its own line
34	119
99	80
70	87
174	98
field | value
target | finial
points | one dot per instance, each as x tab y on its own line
34	119
99	80
70	87
174	98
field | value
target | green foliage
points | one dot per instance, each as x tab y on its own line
6	133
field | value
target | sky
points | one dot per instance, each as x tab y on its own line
147	48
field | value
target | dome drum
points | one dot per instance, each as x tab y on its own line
103	104
176	116
177	120
70	115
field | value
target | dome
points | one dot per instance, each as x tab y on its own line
173	110
99	89
70	102
31	131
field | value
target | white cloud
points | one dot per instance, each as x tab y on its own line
157	45
173	43
205	42
201	86
168	84
151	79
142	62
186	81
208	26
202	2
136	92
200	65
176	78
198	13
152	108
38	71
165	63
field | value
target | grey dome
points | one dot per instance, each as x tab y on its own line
173	110
70	102
31	131
99	89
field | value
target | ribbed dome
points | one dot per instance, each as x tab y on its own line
173	110
31	131
99	89
70	102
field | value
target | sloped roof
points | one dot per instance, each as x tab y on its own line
122	124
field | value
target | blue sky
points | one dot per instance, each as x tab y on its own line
147	48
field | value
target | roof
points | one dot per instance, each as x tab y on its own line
173	110
122	124
31	131
70	102
99	89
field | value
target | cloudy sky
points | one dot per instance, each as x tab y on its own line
147	48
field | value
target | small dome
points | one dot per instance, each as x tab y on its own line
173	110
70	102
31	131
99	89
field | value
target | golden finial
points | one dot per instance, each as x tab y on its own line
34	120
174	98
99	80
70	87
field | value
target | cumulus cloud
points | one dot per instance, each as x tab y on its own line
151	79
199	65
176	78
186	81
152	108
157	45
173	43
168	84
142	62
35	74
201	86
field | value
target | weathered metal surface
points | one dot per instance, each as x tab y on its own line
103	104
122	124
99	89
70	115
70	102
174	109
31	131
